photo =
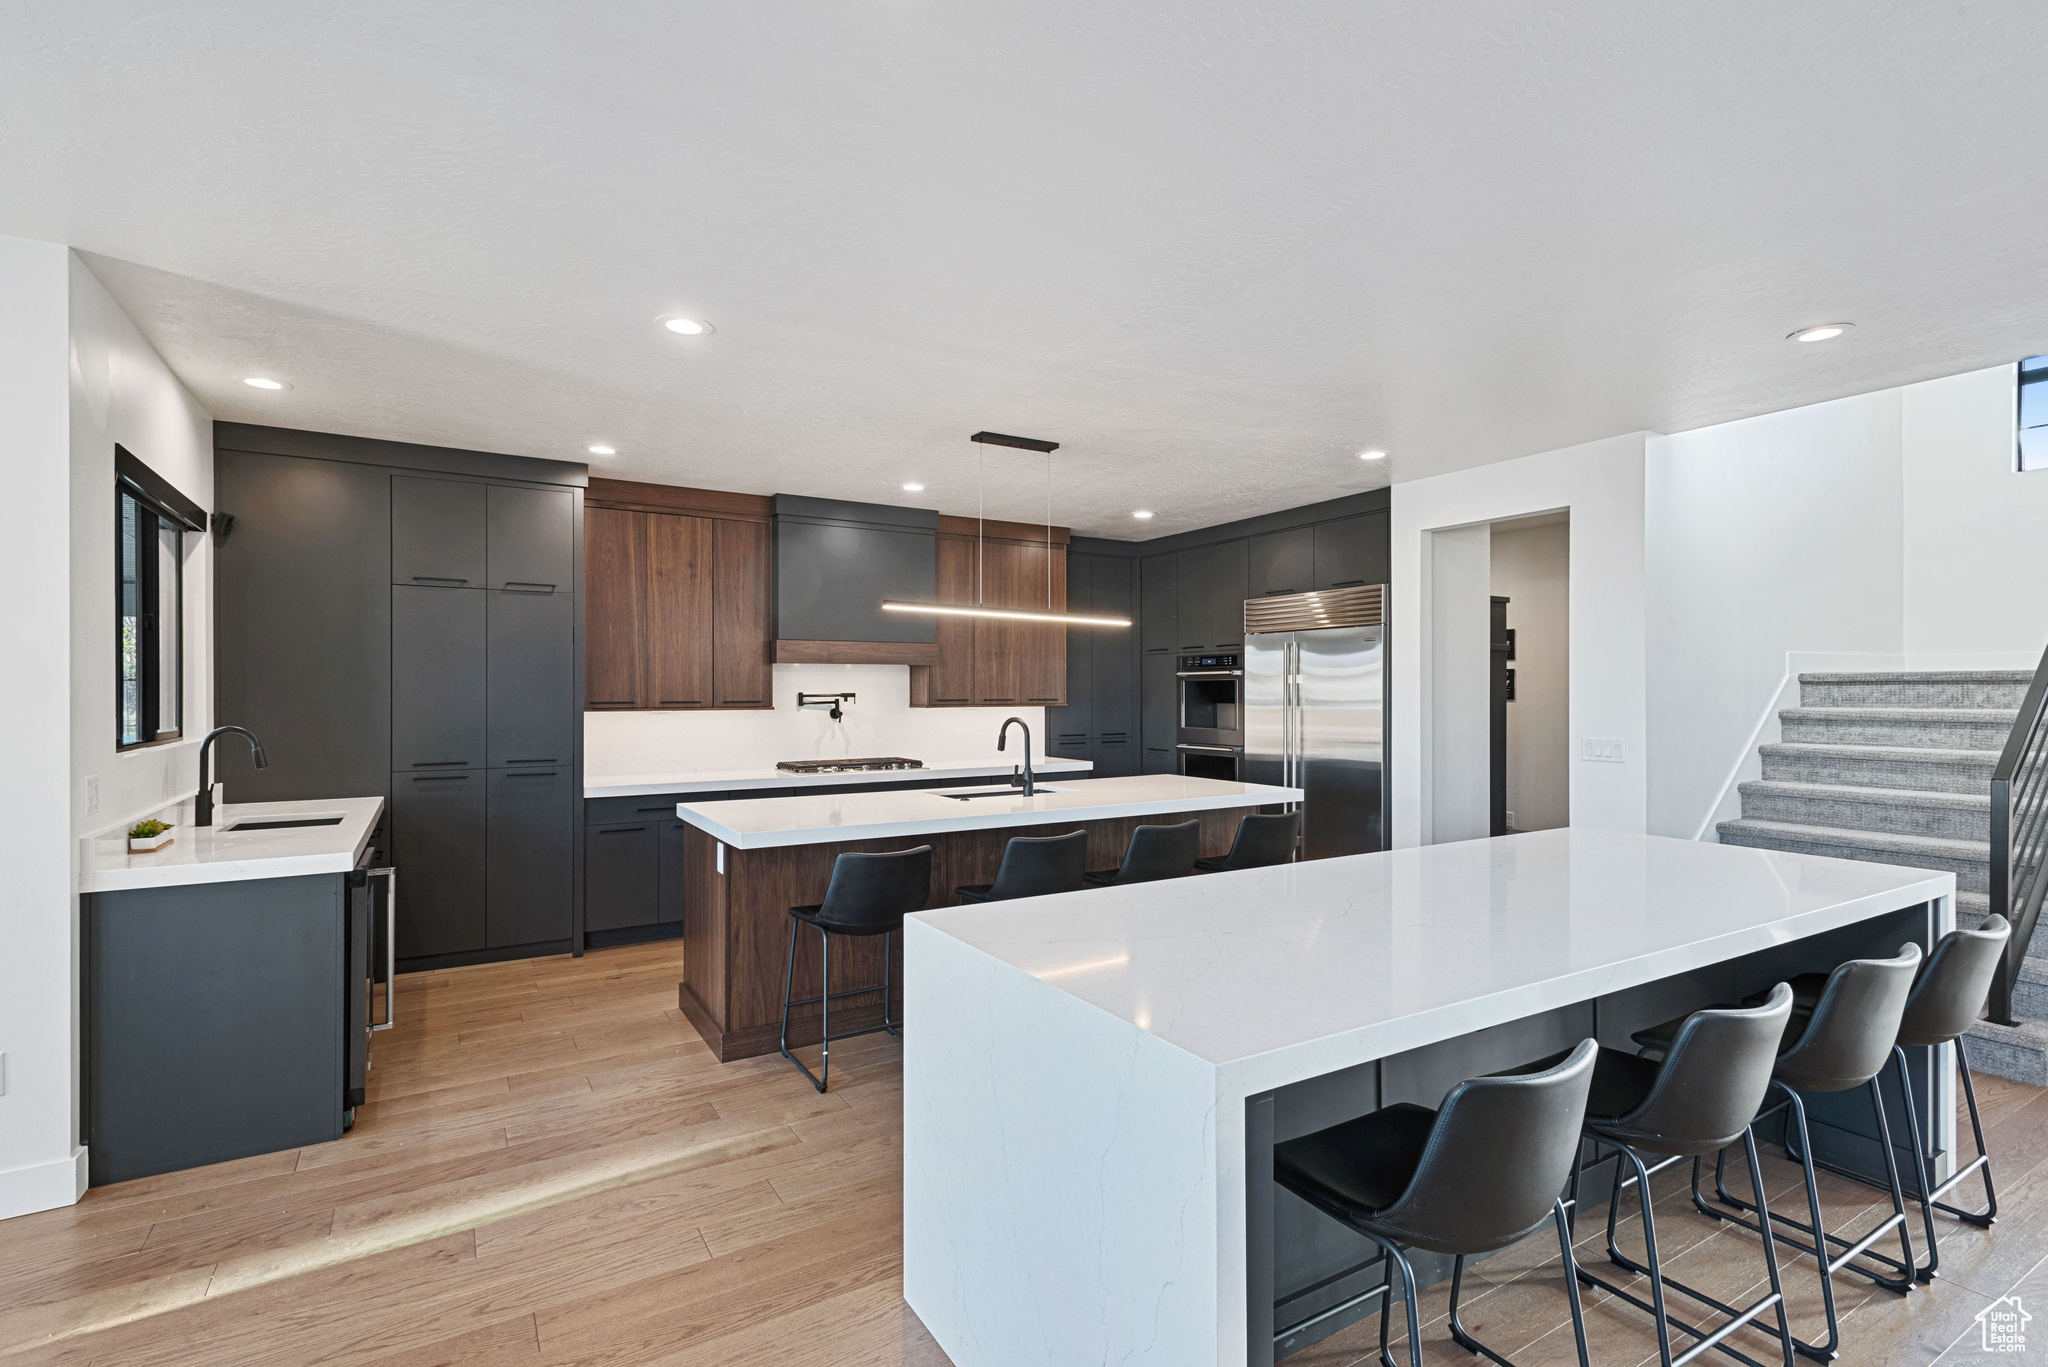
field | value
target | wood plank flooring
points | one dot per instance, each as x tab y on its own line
552	1171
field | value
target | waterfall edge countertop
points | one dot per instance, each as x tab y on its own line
813	819
729	780
220	854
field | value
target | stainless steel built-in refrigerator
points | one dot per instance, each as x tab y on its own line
1315	683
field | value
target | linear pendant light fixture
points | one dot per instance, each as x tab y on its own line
980	609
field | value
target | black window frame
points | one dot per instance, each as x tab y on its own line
164	507
2027	378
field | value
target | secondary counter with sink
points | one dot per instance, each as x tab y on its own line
748	862
228	983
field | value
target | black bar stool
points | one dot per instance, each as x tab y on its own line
1477	1176
1946	1001
1260	840
868	895
1698	1100
1034	865
1846	1044
1155	852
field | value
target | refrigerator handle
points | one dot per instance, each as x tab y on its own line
390	948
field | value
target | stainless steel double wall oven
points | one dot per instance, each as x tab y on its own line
1210	702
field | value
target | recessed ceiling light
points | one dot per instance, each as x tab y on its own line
689	327
1142	513
913	488
1372	455
1823	333
263	382
600	449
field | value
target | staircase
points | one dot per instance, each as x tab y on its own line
1896	769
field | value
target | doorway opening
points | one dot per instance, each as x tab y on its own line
1529	659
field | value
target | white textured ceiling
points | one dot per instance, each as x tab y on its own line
1214	249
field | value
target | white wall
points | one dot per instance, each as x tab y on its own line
123	393
1601	485
40	1163
880	721
1976	532
1776	535
1531	568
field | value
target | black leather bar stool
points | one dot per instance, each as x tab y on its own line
1034	865
1846	1044
868	895
1947	999
1155	852
1260	840
1479	1175
1698	1100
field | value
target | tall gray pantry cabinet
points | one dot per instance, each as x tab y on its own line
405	621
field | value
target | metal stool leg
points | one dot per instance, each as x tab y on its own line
788	980
888	946
825	1014
1985	1218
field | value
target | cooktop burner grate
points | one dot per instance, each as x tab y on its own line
848	766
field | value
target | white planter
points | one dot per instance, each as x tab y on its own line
149	844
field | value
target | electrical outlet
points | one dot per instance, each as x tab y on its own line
92	794
1602	751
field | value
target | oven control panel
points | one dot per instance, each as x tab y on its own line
1188	662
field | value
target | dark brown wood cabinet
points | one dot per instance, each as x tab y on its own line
990	662
677	610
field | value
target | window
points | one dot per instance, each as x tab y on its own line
2033	414
151	520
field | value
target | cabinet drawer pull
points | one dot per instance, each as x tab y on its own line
1347	583
549	760
440	778
682	702
439	763
532	773
520	586
437	579
619	830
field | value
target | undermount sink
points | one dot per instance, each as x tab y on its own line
279	823
994	790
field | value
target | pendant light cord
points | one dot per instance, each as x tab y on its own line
1048	531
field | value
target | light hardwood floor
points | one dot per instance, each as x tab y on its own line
552	1170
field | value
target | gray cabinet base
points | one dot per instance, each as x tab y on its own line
216	1021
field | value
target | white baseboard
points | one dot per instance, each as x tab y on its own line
43	1186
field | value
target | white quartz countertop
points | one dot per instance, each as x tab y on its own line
218	854
725	780
1296	970
767	822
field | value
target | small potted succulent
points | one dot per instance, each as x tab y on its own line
147	837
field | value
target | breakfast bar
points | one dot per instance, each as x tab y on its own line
747	862
1094	1082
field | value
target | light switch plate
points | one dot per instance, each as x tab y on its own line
92	794
1602	751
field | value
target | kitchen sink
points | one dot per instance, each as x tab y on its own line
279	823
1003	790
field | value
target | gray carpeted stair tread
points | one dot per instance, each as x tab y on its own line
2018	1052
1914	676
1906	846
1880	766
1893	797
2004	716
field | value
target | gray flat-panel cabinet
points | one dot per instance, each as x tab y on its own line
1077	717
621	874
1114	653
531	539
1115	756
1159	594
1351	551
672	887
437	532
1212	591
530	856
437	677
530	708
437	842
1282	562
1162	727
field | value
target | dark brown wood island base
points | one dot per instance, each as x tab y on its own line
736	929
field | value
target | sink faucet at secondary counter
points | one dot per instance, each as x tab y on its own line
1002	738
202	806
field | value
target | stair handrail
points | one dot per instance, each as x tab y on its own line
2019	836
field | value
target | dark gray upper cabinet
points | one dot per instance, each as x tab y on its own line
531	539
1077	717
1212	592
835	563
530	706
1159	594
1351	551
1282	562
302	633
1114	652
437	837
531	856
437	532
437	678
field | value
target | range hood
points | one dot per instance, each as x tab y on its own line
835	564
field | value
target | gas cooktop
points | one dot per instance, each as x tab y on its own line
847	766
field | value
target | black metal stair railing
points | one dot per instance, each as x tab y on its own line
2019	836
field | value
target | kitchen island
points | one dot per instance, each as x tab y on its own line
1096	1081
748	862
